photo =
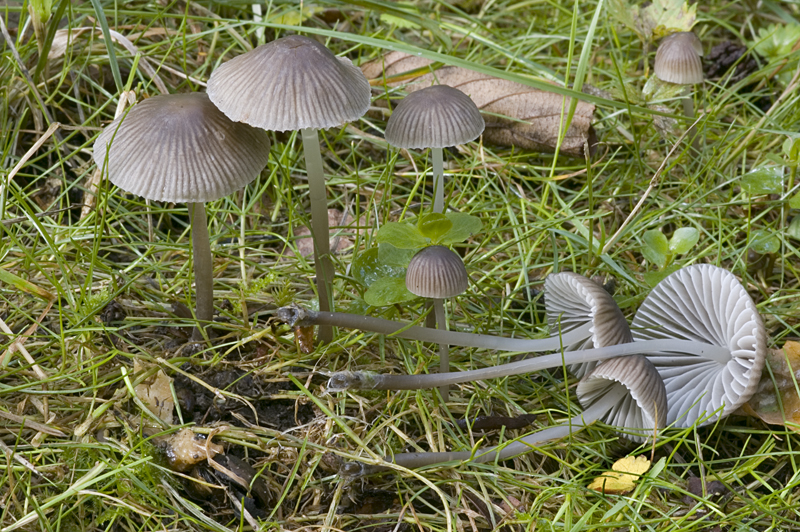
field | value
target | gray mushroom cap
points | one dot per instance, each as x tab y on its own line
291	83
434	117
572	301
678	59
436	272
643	406
180	148
708	305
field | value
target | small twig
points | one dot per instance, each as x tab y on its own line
28	154
20	219
653	184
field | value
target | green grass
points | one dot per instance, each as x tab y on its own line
87	458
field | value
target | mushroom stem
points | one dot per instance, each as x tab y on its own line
203	274
444	350
501	452
365	380
688	112
438	179
319	226
305	318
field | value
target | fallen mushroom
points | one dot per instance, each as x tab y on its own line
181	148
295	83
624	392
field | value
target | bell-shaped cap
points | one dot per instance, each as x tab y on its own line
434	117
704	304
436	272
291	83
642	407
180	148
573	301
678	59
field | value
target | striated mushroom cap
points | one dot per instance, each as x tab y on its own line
436	272
705	304
434	117
180	148
642	408
288	84
678	59
571	301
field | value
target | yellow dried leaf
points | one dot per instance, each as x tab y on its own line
622	479
776	400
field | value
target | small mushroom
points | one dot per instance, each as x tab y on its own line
625	392
435	117
707	305
678	61
181	148
437	273
295	83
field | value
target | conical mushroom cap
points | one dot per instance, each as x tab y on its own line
704	304
434	117
436	272
180	148
571	301
678	59
288	84
642	409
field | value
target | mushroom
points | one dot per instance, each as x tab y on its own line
435	117
625	392
437	273
295	83
704	304
181	148
678	61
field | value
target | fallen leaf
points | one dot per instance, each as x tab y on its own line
670	16
185	449
515	114
341	235
155	392
622	479
777	402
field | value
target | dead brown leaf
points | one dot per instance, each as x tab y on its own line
781	406
515	114
340	231
155	392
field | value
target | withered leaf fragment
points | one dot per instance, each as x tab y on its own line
515	114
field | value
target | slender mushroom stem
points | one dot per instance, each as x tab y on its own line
319	226
500	452
688	112
366	380
444	351
306	318
302	317
203	271
438	179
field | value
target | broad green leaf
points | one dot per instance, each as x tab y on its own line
683	240
794	201
764	242
624	13
464	226
794	228
368	268
669	16
434	226
764	180
653	278
388	255
656	247
388	291
401	235
777	40
791	149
